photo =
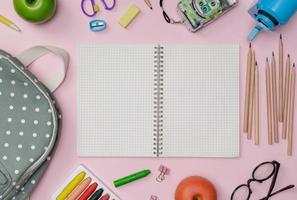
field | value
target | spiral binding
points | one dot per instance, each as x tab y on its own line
158	100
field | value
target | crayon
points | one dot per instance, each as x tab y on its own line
89	191
71	186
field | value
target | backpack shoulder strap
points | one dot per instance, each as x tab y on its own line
28	56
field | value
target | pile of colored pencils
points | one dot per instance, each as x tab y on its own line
280	98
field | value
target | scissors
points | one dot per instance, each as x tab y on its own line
95	7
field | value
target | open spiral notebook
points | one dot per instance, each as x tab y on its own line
158	100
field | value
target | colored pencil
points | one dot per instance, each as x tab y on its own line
9	23
280	83
252	84
148	3
256	111
274	99
247	90
286	97
268	102
291	111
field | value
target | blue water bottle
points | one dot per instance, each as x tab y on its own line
271	14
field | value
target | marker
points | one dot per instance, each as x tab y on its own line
105	197
79	189
89	191
97	194
71	186
131	178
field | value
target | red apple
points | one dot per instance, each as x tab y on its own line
195	188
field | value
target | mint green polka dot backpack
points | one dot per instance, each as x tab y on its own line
29	121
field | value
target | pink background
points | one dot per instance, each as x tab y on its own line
70	27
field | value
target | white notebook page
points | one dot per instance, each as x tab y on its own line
115	100
201	101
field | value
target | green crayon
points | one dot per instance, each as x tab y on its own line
97	194
131	178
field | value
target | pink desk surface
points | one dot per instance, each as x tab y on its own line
70	28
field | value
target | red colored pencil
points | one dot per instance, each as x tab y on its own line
89	191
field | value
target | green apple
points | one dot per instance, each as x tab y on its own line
36	11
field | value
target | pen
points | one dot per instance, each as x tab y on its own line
9	23
131	178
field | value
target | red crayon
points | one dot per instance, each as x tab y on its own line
89	191
105	197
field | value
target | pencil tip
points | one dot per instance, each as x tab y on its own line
267	60
250	45
256	63
281	36
294	65
273	53
288	55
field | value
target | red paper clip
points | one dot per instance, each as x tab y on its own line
163	172
153	197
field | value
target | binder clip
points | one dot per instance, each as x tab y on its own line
163	172
153	197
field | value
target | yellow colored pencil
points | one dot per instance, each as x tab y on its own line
9	23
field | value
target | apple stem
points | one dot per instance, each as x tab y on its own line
31	1
196	198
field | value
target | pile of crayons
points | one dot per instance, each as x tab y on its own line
82	185
280	98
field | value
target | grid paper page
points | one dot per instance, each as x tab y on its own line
115	100
201	101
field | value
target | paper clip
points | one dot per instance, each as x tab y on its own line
153	197
163	172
